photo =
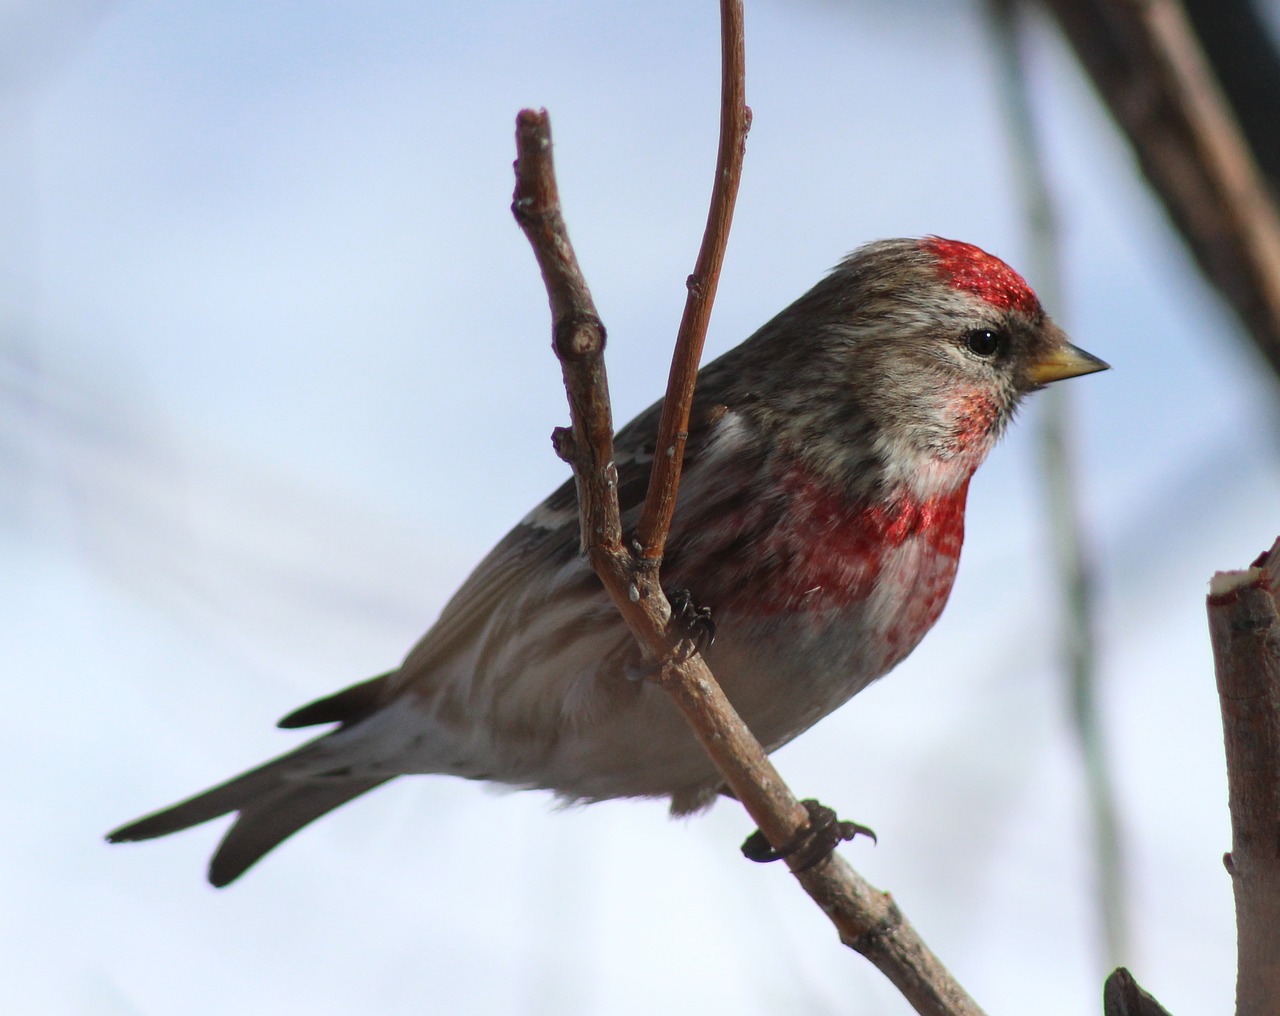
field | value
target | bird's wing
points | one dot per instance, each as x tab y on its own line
547	543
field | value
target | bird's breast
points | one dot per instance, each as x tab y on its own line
871	577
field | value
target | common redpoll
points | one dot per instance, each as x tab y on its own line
820	517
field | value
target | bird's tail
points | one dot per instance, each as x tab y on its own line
272	802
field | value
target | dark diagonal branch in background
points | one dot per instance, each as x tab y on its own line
1244	626
866	919
1144	59
1245	55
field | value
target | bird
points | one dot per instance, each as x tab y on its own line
819	518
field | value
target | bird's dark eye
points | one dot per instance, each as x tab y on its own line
984	342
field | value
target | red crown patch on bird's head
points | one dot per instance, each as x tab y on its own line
968	267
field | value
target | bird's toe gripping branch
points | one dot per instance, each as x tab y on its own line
813	844
693	623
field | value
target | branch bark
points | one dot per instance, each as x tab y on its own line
867	919
1244	626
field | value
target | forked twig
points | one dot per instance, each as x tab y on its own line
867	919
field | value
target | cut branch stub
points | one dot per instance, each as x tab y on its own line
1244	626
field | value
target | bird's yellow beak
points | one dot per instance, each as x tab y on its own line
1063	360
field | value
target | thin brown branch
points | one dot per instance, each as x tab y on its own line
867	919
673	430
1244	626
630	581
1144	59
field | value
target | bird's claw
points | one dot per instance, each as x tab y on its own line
813	844
694	623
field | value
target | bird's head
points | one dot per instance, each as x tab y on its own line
921	349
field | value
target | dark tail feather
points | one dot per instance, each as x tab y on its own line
346	706
274	802
276	799
268	821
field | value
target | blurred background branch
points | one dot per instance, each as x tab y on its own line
1242	52
1067	538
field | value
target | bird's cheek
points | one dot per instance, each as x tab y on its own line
972	416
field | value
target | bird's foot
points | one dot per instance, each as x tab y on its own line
813	844
693	623
693	628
